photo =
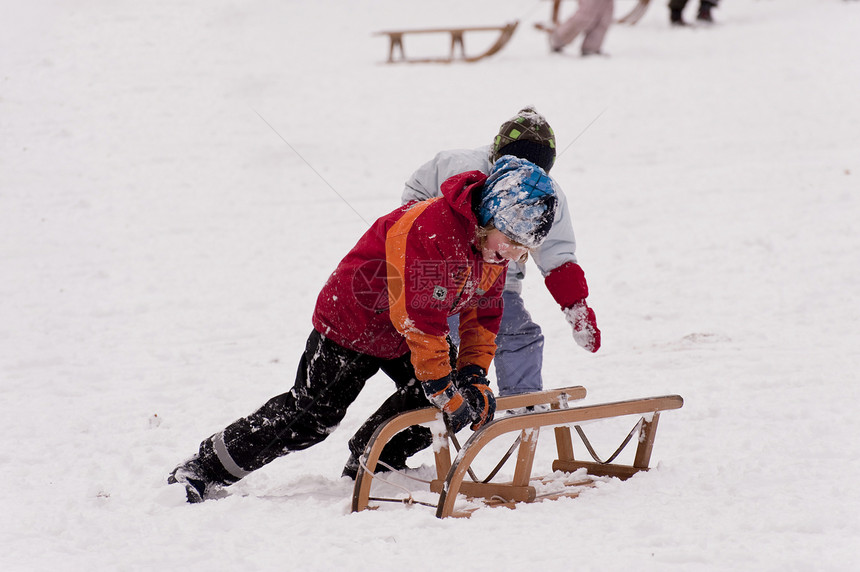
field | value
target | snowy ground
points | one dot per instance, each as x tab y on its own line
177	180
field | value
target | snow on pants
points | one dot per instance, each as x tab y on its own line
328	380
592	18
519	351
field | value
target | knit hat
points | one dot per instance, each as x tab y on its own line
518	198
526	135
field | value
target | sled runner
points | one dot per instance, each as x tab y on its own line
450	476
395	38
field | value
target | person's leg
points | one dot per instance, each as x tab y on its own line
567	31
519	355
676	10
409	395
592	43
704	14
328	380
454	329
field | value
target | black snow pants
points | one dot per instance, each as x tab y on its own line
328	380
681	4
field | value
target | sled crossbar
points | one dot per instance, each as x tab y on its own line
395	38
450	475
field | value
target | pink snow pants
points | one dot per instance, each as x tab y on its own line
592	18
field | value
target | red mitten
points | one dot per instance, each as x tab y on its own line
567	284
584	324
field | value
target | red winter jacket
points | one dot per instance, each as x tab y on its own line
394	291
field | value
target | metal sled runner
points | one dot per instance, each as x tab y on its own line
450	476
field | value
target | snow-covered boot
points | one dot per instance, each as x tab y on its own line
350	469
203	475
676	17
191	475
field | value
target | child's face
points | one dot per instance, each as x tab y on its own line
498	248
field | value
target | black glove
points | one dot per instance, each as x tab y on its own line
475	387
442	393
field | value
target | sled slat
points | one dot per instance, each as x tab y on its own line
506	492
622	472
526	457
646	442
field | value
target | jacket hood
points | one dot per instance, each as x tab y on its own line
459	191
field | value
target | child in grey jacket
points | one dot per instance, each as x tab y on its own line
520	354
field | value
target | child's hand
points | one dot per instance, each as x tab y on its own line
584	324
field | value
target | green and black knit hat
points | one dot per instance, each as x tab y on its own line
526	135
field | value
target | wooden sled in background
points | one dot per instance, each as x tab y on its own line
396	43
630	18
450	476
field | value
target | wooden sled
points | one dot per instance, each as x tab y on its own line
450	476
396	43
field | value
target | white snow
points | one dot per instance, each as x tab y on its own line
178	179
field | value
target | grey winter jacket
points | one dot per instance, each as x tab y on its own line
559	246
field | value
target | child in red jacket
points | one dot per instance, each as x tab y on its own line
385	307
